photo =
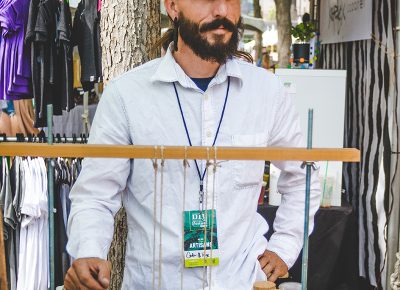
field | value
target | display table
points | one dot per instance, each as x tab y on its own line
333	254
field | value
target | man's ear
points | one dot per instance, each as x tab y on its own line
172	9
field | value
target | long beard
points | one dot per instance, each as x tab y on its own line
219	51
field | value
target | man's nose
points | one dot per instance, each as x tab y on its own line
220	8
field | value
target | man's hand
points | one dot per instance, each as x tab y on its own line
88	273
273	266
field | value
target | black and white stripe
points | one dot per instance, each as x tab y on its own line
371	91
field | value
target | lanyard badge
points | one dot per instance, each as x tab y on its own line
200	238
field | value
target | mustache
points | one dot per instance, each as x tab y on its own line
225	22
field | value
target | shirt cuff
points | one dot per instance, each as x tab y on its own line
87	249
286	247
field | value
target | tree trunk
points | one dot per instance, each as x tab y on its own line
129	30
258	38
283	24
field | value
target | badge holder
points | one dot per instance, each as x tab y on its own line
200	230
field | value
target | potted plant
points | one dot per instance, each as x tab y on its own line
303	33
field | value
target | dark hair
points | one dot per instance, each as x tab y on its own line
165	39
168	37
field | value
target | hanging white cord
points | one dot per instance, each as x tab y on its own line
395	277
212	213
155	166
205	220
161	207
185	166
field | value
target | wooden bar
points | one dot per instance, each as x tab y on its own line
178	152
264	285
3	272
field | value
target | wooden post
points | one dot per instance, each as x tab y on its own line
3	272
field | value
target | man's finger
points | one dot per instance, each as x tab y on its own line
284	276
268	268
71	273
275	275
104	273
264	260
71	281
87	280
68	284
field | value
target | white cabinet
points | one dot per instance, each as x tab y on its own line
325	92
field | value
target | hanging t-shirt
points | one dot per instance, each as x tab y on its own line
86	35
14	56
60	238
64	85
16	178
10	224
33	256
43	269
49	32
40	30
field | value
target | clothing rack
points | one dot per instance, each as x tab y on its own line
8	147
41	138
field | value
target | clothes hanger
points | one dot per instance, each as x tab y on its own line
42	136
20	137
57	173
65	172
3	137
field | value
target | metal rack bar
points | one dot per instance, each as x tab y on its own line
27	139
309	165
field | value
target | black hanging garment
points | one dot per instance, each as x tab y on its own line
64	56
49	35
61	259
40	33
86	35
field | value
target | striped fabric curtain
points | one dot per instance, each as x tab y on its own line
371	93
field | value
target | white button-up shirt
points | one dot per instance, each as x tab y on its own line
140	107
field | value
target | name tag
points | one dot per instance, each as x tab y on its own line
201	247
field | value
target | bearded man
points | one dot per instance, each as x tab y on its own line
200	93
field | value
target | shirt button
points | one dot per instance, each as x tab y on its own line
209	134
206	97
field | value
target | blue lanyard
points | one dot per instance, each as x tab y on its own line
201	176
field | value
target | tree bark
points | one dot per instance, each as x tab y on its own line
283	24
129	31
258	38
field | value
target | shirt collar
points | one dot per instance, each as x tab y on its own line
170	71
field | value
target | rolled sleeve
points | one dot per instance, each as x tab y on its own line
96	195
287	239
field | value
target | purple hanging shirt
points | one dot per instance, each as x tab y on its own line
15	73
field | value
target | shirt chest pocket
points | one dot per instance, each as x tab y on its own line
248	173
